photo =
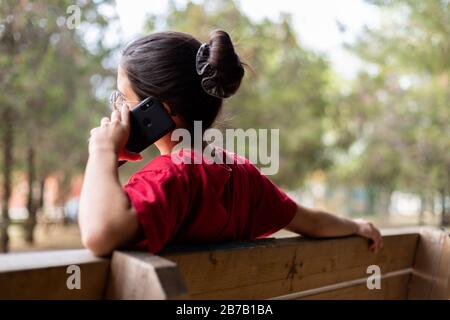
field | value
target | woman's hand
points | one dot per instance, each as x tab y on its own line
112	135
317	223
367	230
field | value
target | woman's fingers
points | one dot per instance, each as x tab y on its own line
104	121
375	238
115	116
125	115
369	231
129	156
378	240
374	246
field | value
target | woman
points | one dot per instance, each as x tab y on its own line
174	202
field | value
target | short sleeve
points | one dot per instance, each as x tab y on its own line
159	199
272	209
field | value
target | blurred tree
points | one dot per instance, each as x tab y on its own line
401	109
47	67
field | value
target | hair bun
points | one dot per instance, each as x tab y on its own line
224	59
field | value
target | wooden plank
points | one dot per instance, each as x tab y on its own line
43	275
431	277
140	275
395	288
283	266
271	289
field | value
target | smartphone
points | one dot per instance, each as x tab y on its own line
149	121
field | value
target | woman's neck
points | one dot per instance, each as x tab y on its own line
165	145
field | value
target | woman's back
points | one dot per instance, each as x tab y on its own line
193	199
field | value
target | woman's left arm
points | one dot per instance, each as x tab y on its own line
318	223
107	220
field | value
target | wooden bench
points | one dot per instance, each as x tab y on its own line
414	264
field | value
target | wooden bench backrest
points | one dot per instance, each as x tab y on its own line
43	275
414	264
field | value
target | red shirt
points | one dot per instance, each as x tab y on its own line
204	203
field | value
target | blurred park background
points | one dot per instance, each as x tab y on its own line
359	89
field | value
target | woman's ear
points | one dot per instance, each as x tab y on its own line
175	117
169	109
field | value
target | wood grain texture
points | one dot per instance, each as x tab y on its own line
431	277
260	269
283	266
43	275
140	275
395	288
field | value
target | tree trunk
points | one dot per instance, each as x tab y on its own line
31	203
423	207
445	217
7	169
371	206
385	202
40	198
41	193
433	204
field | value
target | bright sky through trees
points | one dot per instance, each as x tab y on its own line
322	25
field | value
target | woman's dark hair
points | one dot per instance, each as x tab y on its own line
163	65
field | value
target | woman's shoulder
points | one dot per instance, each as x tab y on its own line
186	161
161	164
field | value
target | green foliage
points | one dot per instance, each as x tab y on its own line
402	111
388	129
46	80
